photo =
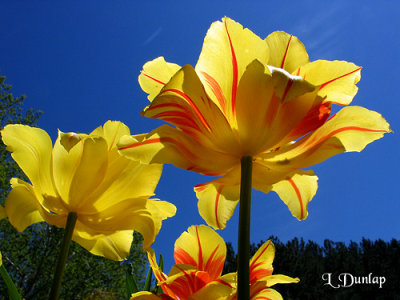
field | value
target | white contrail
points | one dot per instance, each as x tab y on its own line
152	37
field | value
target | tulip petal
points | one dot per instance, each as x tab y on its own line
21	205
155	75
278	278
261	262
184	281
351	129
265	110
160	276
115	246
337	79
218	199
296	191
78	168
260	291
111	131
160	210
144	295
202	248
90	172
184	103
124	179
130	214
227	50
31	148
216	290
169	145
286	51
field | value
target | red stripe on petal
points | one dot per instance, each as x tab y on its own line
216	89
200	256
298	194
287	88
146	142
182	257
330	81
192	105
216	205
286	51
152	78
234	71
339	130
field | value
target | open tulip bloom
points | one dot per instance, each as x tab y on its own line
252	97
83	178
254	112
200	256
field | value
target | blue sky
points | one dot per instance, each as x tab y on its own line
79	62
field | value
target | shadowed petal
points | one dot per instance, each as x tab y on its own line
124	215
169	145
115	246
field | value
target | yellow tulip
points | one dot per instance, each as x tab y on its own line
249	97
200	256
84	174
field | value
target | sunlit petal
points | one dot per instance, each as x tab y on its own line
351	129
155	75
286	51
227	50
260	291
31	148
218	199
21	206
296	191
337	79
261	262
203	248
278	278
184	103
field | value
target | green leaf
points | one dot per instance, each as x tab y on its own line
147	284
12	289
158	289
131	285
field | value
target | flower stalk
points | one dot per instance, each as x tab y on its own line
243	292
62	258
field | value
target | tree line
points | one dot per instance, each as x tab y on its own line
355	269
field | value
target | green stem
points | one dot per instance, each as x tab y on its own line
62	258
12	289
243	291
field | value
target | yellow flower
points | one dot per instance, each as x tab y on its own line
200	256
251	97
86	175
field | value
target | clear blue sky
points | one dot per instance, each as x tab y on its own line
79	62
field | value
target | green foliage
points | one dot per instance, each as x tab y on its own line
30	256
309	261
